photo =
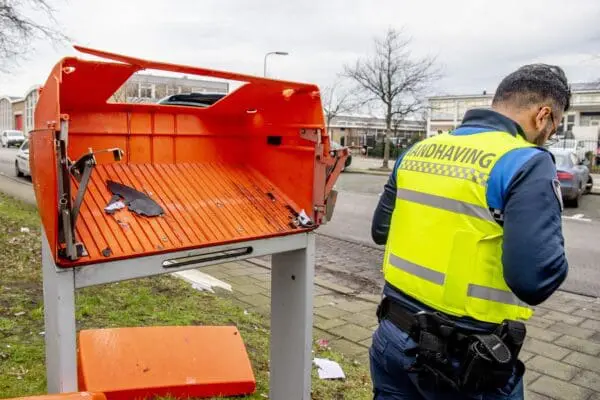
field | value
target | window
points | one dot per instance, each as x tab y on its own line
571	118
171	90
145	90
25	145
573	159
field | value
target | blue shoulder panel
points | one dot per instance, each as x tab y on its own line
503	172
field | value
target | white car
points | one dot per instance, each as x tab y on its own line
572	145
22	160
12	138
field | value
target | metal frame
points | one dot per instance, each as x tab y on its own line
292	276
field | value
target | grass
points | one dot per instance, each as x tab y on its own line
154	301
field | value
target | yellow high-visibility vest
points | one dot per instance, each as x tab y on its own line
444	247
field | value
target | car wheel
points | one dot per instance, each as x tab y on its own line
589	185
17	170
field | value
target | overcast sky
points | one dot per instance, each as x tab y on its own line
476	41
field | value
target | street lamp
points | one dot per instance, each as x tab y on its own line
278	53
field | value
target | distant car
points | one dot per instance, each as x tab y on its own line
574	176
337	146
12	138
22	160
192	99
573	145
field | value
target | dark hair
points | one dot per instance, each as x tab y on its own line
534	84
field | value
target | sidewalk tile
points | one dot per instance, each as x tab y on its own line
591	324
321	334
547	349
332	286
366	319
584	346
256	299
320	301
562	317
560	390
354	306
542	334
530	377
589	314
347	347
525	355
584	361
352	332
367	342
327	324
330	312
529	395
553	368
540	322
588	379
249	288
571	330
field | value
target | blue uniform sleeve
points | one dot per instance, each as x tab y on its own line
533	256
382	218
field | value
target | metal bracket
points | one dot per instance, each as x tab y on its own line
314	135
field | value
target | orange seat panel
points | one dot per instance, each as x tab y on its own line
65	396
198	361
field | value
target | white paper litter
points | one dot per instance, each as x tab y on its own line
304	219
201	281
19	313
25	229
328	369
117	205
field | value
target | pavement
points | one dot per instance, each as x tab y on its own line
562	352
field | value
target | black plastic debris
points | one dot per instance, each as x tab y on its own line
136	201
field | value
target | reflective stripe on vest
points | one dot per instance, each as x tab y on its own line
444	203
444	247
476	291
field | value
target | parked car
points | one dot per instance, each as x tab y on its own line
22	160
574	176
573	145
337	146
12	138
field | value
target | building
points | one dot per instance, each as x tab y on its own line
18	112
147	88
11	113
355	130
446	112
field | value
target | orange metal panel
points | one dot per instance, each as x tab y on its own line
224	173
205	204
182	362
65	396
42	159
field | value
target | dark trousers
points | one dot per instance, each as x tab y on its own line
391	381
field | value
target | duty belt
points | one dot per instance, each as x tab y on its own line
487	359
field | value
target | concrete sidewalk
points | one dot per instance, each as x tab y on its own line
562	352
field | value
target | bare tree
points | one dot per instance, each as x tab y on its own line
336	100
18	30
395	79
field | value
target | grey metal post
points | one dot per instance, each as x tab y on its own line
292	279
59	317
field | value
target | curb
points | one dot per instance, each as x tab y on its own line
366	172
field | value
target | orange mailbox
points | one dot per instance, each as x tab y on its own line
130	190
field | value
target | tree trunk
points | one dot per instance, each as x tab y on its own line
386	142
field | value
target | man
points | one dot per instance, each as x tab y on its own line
472	225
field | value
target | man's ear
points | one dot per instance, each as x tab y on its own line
541	117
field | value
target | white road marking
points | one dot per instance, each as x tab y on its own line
576	217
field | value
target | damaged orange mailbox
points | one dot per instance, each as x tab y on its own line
240	169
247	175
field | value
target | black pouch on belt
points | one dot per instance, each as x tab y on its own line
488	364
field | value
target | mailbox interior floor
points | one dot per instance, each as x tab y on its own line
204	205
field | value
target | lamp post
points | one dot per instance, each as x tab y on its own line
278	53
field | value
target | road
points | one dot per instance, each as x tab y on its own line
359	194
358	265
